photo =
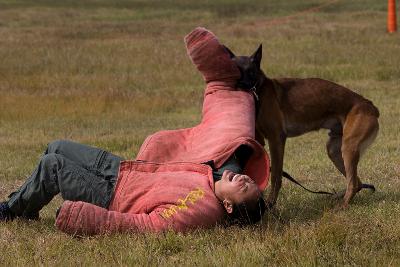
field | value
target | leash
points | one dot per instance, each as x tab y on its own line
290	178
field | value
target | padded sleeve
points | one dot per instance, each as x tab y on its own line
81	218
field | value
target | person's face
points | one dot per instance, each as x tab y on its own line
235	189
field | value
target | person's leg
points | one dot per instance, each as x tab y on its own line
94	168
99	161
58	174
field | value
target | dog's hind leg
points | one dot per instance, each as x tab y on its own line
334	147
334	151
351	156
359	131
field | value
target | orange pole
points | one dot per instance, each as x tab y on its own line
391	19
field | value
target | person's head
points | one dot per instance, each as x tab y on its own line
240	197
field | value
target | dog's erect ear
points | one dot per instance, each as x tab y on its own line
256	57
231	54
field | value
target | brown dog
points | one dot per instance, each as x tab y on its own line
290	107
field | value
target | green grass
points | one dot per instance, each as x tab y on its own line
109	73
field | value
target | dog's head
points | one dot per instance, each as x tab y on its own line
249	67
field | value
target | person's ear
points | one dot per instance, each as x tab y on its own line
228	205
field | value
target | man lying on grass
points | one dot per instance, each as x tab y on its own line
180	180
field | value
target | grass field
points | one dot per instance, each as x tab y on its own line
109	73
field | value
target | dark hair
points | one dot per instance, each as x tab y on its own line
246	213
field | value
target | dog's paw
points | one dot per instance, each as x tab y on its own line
270	202
368	186
339	195
269	206
340	206
276	215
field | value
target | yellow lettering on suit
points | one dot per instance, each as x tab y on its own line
181	204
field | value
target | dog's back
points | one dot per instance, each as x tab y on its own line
313	103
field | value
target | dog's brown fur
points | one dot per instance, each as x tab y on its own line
290	107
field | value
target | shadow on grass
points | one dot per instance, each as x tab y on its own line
304	209
312	208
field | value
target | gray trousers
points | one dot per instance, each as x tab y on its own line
79	172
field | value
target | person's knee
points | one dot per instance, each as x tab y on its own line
50	160
56	146
50	165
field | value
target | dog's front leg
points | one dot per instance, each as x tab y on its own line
276	145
